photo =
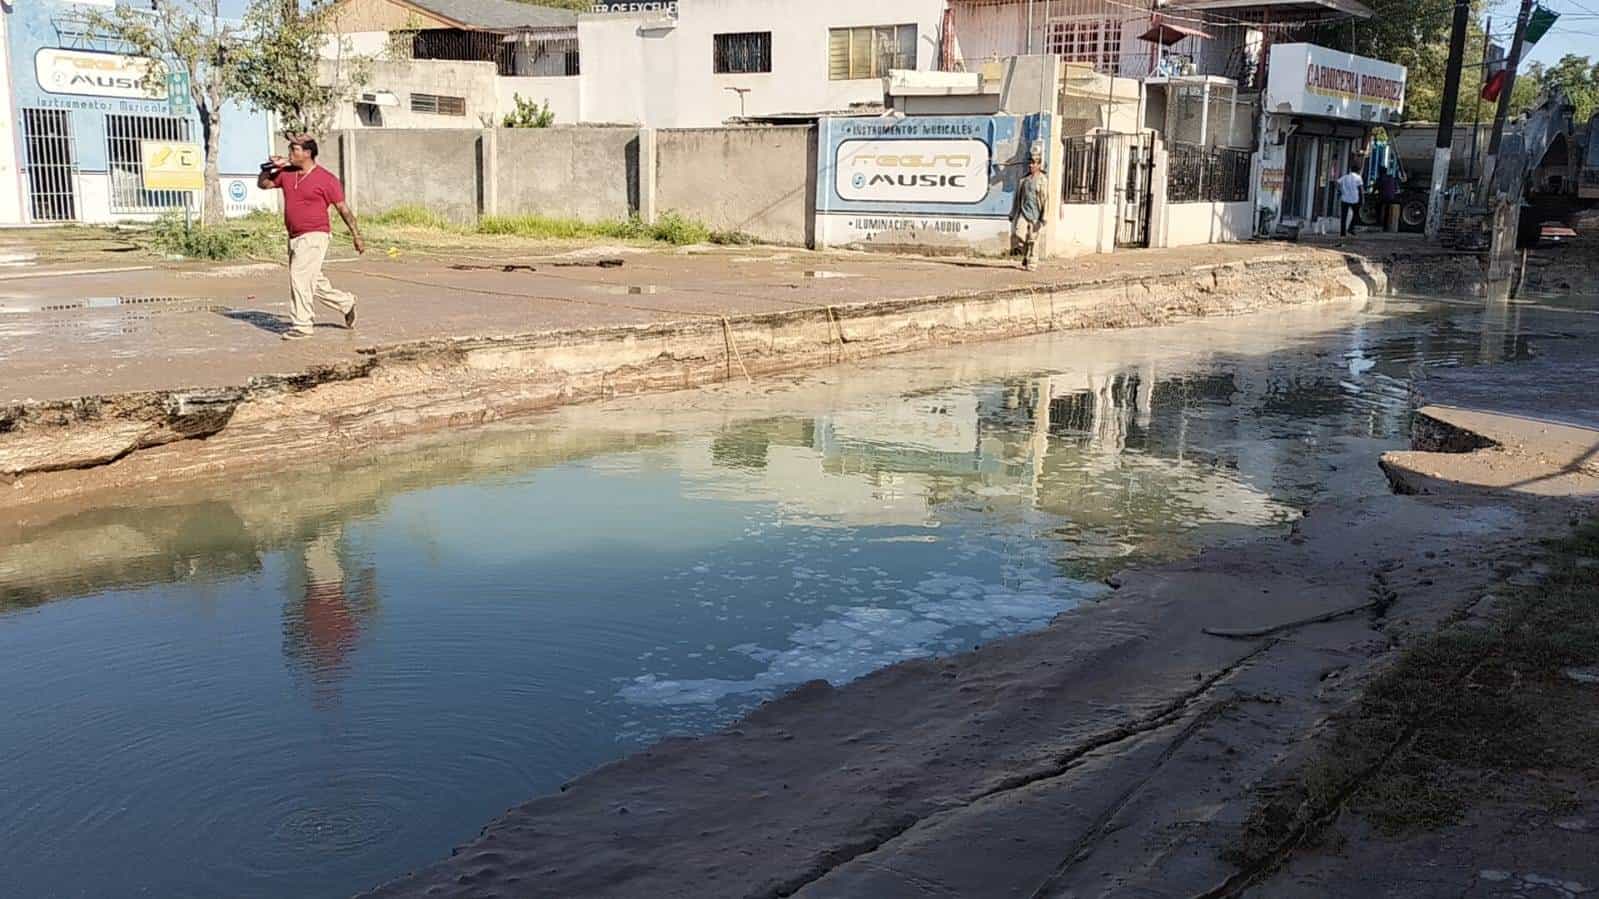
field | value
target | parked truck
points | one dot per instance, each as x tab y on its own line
1557	157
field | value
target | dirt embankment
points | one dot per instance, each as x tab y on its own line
54	450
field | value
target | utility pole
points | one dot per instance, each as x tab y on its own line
1444	148
1476	104
1492	158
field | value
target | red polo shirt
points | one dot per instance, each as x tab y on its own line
306	198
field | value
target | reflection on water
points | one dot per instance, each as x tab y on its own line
305	684
321	629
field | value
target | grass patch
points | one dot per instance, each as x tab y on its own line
670	228
253	235
412	217
1459	712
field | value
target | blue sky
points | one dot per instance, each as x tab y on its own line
1570	35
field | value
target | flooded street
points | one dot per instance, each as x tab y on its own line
315	680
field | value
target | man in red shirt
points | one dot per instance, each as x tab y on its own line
308	191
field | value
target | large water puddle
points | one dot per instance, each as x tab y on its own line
309	682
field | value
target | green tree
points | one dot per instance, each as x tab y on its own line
269	59
1578	77
297	64
529	114
191	36
1425	82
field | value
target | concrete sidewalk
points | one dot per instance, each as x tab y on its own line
175	326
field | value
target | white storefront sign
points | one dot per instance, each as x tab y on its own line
99	74
913	171
1309	80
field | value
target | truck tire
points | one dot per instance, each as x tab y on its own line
1413	213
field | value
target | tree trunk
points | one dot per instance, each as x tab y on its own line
211	129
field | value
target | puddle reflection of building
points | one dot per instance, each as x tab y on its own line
1113	446
325	612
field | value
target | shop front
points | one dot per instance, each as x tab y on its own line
79	111
1320	109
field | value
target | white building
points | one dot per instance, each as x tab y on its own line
721	59
695	63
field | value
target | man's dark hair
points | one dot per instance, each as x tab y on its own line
308	144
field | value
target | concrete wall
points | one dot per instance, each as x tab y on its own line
1190	224
586	173
386	169
1090	101
757	180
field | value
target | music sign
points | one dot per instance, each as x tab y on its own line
99	74
918	171
921	180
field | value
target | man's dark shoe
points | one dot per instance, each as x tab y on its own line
349	319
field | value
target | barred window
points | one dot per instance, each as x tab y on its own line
869	51
1207	175
743	53
438	104
1093	40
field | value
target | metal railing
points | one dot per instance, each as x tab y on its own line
1207	174
52	162
1082	171
125	162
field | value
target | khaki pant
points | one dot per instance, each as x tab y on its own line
306	281
1030	236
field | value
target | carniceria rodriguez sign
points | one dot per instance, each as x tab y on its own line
1306	79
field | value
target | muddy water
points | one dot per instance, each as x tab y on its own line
306	683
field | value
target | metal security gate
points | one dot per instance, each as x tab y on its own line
52	162
125	163
1132	227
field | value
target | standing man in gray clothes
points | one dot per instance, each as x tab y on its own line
1027	215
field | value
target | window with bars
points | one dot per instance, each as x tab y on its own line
52	161
125	162
438	104
742	53
1093	40
869	51
1197	174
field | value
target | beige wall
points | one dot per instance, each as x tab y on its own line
584	173
386	169
760	181
1190	224
472	81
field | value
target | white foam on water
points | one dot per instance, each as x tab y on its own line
861	639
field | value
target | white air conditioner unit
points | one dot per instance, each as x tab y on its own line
377	98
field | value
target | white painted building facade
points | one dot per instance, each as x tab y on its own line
695	63
721	59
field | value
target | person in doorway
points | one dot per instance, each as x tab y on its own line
1350	188
1027	215
1388	192
308	191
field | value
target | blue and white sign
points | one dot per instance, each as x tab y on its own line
922	180
237	191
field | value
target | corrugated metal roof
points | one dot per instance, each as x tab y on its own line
498	15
